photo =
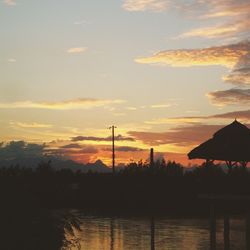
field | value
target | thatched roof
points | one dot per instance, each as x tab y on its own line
231	143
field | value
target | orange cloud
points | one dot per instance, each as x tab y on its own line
80	103
220	8
144	5
30	125
238	27
233	14
159	106
10	2
227	56
77	50
216	31
101	139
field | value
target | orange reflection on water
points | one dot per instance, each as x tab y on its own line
139	233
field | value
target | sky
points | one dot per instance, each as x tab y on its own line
167	74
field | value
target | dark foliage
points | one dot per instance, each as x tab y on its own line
29	197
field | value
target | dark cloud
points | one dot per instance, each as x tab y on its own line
70	151
20	149
101	139
240	75
230	97
181	136
243	114
72	145
128	149
29	154
88	150
125	149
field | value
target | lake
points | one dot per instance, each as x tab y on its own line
142	233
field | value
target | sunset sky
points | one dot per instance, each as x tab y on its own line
167	73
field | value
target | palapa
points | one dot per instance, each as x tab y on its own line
230	144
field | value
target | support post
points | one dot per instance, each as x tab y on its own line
226	232
112	238
248	230
152	233
212	227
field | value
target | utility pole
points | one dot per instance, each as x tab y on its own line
113	148
152	163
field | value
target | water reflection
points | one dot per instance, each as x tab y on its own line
156	233
112	234
152	233
44	229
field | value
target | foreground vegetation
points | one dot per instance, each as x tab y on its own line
35	203
139	186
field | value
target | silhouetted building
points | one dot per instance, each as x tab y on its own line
230	144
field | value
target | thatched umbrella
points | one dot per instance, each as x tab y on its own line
230	144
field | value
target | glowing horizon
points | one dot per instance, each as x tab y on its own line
168	74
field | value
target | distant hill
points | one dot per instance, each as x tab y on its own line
57	164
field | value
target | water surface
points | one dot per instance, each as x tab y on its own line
160	233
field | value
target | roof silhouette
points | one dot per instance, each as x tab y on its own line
231	143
